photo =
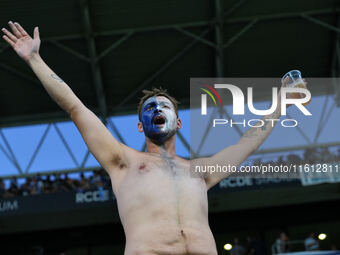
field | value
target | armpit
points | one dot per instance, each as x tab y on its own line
119	162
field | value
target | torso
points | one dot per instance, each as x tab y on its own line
163	209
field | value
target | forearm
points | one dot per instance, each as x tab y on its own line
236	154
256	135
60	92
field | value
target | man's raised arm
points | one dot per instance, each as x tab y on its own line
235	154
107	150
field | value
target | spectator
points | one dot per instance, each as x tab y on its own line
327	156
39	184
33	185
281	243
83	183
47	184
237	249
310	156
67	183
294	159
13	188
2	188
280	161
26	187
255	246
106	179
97	179
311	243
57	184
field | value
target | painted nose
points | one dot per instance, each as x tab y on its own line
158	108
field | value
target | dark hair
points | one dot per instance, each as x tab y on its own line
156	92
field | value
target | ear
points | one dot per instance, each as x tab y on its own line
140	127
179	123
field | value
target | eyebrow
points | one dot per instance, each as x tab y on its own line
164	102
152	103
149	104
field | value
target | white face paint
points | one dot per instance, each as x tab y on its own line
159	119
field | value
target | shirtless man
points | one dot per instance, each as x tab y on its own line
163	209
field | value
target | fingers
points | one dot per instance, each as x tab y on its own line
304	81
20	29
36	33
14	30
9	35
8	40
285	82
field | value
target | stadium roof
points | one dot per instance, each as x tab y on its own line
108	51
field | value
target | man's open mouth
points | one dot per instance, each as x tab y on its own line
159	120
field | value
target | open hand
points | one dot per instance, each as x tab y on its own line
23	44
294	95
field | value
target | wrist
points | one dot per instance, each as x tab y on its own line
35	57
278	109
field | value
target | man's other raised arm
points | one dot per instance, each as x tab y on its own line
236	154
106	149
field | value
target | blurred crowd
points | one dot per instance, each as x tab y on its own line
311	243
254	246
54	183
62	182
310	156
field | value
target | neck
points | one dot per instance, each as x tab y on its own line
168	146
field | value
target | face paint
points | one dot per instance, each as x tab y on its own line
159	119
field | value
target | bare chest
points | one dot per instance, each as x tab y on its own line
162	187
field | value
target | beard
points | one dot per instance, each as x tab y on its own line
161	136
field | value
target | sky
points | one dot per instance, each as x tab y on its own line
53	155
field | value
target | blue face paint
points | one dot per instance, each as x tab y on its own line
159	119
